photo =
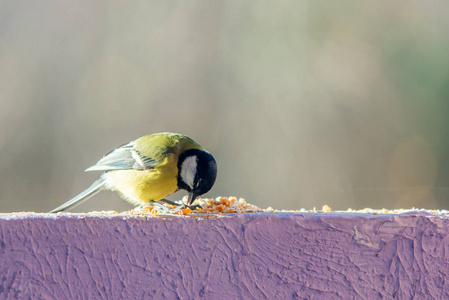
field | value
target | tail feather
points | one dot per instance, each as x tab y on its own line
94	189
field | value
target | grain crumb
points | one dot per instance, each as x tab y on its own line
326	208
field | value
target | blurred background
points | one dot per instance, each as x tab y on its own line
302	103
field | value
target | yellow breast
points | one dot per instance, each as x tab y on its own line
142	187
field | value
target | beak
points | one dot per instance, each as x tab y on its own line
191	198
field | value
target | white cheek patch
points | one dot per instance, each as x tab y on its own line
188	170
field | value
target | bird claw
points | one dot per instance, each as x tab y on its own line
195	207
192	207
163	208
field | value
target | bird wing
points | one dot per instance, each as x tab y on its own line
145	152
125	157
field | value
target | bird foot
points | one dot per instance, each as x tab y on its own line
183	206
194	207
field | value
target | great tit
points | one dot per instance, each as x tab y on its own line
151	168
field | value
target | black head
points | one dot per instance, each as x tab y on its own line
197	171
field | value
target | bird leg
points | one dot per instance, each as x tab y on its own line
169	202
192	207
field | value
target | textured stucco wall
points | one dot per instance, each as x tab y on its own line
253	256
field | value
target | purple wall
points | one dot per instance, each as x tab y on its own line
237	256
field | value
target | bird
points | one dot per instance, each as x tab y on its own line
150	168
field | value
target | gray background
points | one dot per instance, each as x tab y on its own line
303	103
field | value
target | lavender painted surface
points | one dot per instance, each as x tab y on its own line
253	256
